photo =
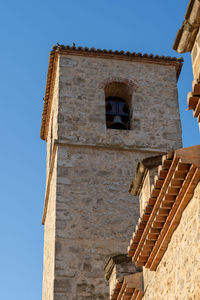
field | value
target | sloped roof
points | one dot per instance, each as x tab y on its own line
174	186
97	53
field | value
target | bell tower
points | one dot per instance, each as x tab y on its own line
103	112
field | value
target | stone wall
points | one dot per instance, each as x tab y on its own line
95	216
94	166
146	189
49	242
49	229
178	274
154	103
195	54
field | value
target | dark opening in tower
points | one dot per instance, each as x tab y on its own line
117	101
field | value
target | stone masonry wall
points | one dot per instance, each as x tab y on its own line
178	274
145	193
94	166
95	216
155	112
49	228
195	54
49	242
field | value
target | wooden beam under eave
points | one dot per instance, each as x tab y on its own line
122	290
167	204
171	198
152	236
173	191
192	101
166	164
157	225
196	89
126	297
160	218
174	217
162	173
139	295
173	164
197	109
177	183
134	295
166	224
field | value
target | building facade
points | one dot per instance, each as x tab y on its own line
103	112
188	40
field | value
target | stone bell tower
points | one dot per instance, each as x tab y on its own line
103	112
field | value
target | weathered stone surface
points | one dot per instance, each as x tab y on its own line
154	103
178	274
49	243
90	214
195	54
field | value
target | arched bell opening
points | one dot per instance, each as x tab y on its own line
117	101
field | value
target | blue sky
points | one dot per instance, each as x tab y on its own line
28	31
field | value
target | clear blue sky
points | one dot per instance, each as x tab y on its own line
28	31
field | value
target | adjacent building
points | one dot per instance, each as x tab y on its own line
188	40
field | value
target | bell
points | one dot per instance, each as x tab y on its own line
118	124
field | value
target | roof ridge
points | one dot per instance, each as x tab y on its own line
116	52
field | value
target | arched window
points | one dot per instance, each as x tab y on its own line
117	101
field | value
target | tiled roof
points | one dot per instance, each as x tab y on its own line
193	100
107	54
51	74
173	188
125	289
94	51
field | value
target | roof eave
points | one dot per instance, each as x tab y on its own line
186	35
176	186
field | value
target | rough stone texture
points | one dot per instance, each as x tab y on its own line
154	105
178	274
195	54
49	230
49	243
145	192
95	215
